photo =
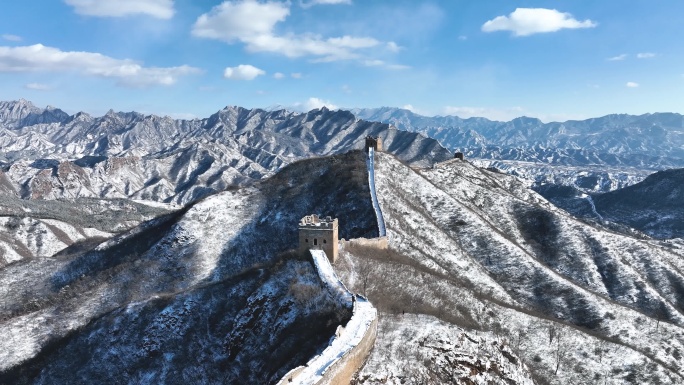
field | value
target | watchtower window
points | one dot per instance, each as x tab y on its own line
324	241
315	242
306	240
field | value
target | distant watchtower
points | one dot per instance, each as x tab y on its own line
319	233
459	155
374	142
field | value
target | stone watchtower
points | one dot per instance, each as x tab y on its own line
374	142
319	233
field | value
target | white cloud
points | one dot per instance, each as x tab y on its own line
310	3
252	23
393	47
411	108
314	103
243	72
373	63
505	114
528	21
618	57
162	9
38	87
645	55
39	58
383	64
397	67
296	75
278	75
463	38
10	37
346	89
632	84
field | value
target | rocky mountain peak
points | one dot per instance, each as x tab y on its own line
181	160
19	113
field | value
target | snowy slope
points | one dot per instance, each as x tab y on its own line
653	206
588	178
40	229
212	293
480	250
455	355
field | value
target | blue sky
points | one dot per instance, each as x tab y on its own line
555	60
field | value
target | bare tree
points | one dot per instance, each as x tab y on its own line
660	312
561	348
552	333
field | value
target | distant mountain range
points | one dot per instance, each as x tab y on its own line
654	206
47	153
650	141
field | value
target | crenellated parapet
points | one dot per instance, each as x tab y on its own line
319	234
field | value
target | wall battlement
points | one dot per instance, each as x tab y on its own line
374	142
319	233
314	221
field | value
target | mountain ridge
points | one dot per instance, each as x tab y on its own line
132	155
653	206
651	141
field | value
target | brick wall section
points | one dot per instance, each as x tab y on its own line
376	243
344	368
352	344
342	371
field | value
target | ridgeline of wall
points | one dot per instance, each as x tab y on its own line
352	344
370	165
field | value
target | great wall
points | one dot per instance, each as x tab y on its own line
352	343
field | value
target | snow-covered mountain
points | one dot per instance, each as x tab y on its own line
477	249
650	141
209	294
654	206
32	229
48	154
587	179
483	281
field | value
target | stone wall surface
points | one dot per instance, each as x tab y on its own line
352	343
342	371
376	243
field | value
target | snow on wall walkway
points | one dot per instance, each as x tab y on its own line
370	164
330	280
327	366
